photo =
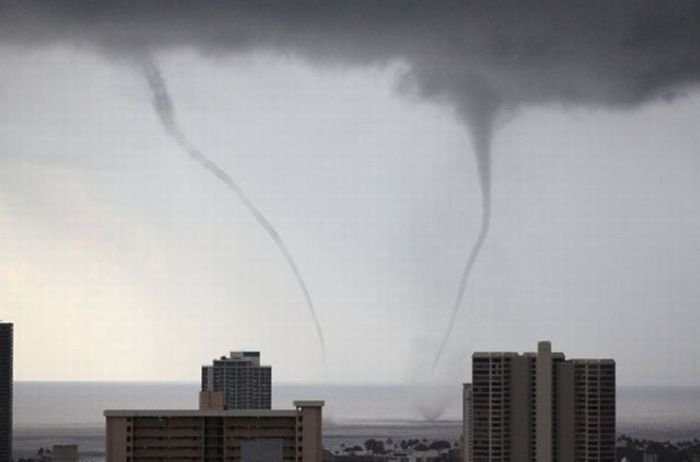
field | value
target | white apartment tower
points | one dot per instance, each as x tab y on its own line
244	383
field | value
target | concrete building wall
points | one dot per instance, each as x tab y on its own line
594	410
116	439
211	401
565	411
467	422
262	450
6	360
309	428
216	436
521	412
491	410
245	383
64	453
540	407
543	404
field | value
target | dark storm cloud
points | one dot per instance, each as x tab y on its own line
514	52
481	58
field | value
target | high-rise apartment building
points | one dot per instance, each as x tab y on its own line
467	422
244	382
6	330
540	407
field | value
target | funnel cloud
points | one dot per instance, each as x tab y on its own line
479	58
482	147
163	105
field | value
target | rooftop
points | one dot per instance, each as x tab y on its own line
198	413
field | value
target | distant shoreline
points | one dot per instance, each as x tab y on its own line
90	439
47	413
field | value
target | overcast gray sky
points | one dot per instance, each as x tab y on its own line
122	259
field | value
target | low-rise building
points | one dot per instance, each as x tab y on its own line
216	435
65	453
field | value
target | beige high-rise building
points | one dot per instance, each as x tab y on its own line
540	407
213	434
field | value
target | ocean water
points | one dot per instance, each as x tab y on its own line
47	413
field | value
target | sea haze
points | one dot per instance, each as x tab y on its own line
47	413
